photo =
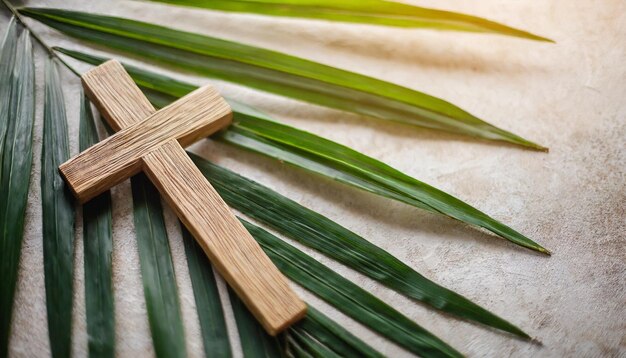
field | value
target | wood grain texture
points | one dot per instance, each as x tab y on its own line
235	254
240	261
195	116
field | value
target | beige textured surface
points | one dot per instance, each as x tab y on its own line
568	96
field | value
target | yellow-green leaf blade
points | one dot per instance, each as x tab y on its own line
274	72
373	12
17	117
58	217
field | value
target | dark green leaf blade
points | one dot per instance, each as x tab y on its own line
310	346
98	247
58	217
16	162
373	12
332	335
7	62
274	72
208	304
322	156
255	342
157	270
349	298
339	243
254	131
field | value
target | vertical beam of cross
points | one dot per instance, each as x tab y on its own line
150	141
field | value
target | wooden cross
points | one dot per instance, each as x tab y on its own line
152	141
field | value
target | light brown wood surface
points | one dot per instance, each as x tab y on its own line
152	141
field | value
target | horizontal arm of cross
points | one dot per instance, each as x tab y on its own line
115	159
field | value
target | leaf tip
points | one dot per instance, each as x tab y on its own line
543	250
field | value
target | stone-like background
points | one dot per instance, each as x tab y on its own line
569	96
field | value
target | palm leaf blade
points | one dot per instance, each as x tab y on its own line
58	217
208	304
157	270
255	342
7	62
374	12
322	156
349	298
18	114
273	72
332	335
98	247
256	132
333	240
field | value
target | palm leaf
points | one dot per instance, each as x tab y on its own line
17	117
312	347
322	156
349	298
7	62
255	131
330	334
330	238
58	217
255	342
272	71
98	246
208	304
157	270
373	12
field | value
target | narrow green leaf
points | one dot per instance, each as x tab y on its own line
255	342
310	346
18	114
7	62
373	12
349	298
332	239
208	304
322	156
332	335
58	216
98	246
255	131
157	270
272	71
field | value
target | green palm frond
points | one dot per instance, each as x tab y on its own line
157	270
17	114
349	298
255	342
208	305
58	216
372	12
318	232
274	72
333	336
316	335
254	131
98	247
